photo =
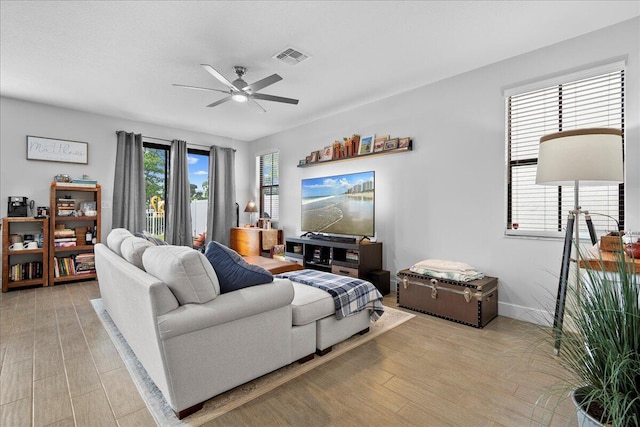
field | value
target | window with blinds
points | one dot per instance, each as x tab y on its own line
268	167
538	210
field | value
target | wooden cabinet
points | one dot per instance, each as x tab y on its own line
347	259
75	209
252	241
25	267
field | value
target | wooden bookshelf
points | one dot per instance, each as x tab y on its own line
24	225
79	194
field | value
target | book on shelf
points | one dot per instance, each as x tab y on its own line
76	184
64	232
85	263
64	244
84	181
25	271
352	255
65	239
63	267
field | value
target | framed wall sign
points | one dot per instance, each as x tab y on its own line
57	150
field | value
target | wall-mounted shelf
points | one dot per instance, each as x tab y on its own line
360	156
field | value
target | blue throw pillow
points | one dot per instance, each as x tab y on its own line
234	272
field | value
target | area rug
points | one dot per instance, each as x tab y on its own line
225	402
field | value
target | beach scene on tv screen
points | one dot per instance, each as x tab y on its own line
340	204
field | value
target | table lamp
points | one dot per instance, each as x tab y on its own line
591	156
251	208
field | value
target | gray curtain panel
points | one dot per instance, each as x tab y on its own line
178	213
222	194
128	187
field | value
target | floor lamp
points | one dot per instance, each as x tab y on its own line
584	157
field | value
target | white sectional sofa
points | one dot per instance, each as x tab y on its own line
196	342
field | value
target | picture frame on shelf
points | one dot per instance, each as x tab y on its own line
366	145
327	153
378	143
404	142
314	156
391	144
89	208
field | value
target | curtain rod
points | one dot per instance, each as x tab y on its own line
168	140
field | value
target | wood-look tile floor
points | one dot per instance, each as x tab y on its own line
59	368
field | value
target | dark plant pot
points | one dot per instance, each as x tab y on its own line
584	419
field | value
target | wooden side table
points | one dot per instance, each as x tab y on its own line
248	241
609	262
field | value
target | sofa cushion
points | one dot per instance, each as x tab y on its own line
234	272
310	304
132	249
185	271
116	237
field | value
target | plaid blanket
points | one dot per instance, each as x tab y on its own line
349	295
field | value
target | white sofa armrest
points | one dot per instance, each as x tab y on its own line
226	308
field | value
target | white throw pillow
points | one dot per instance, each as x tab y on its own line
187	272
116	237
132	249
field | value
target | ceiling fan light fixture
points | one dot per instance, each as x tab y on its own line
239	91
239	97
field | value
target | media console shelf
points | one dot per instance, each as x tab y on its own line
347	259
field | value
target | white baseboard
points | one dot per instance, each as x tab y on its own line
526	314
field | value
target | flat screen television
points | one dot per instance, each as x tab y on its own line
339	204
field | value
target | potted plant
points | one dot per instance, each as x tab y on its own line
602	348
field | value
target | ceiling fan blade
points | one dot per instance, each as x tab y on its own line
259	106
219	76
265	97
220	101
261	84
200	88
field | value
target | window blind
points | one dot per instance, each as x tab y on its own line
269	185
532	209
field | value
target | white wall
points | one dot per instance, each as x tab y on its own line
446	199
21	177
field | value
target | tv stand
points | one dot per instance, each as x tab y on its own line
348	259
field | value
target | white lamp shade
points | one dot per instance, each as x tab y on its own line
591	156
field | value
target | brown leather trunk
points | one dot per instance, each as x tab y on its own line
473	303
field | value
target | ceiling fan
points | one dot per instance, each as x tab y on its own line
241	91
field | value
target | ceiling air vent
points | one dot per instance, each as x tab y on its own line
291	56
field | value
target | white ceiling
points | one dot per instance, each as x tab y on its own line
120	58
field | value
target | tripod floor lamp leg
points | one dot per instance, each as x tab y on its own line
592	230
562	285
